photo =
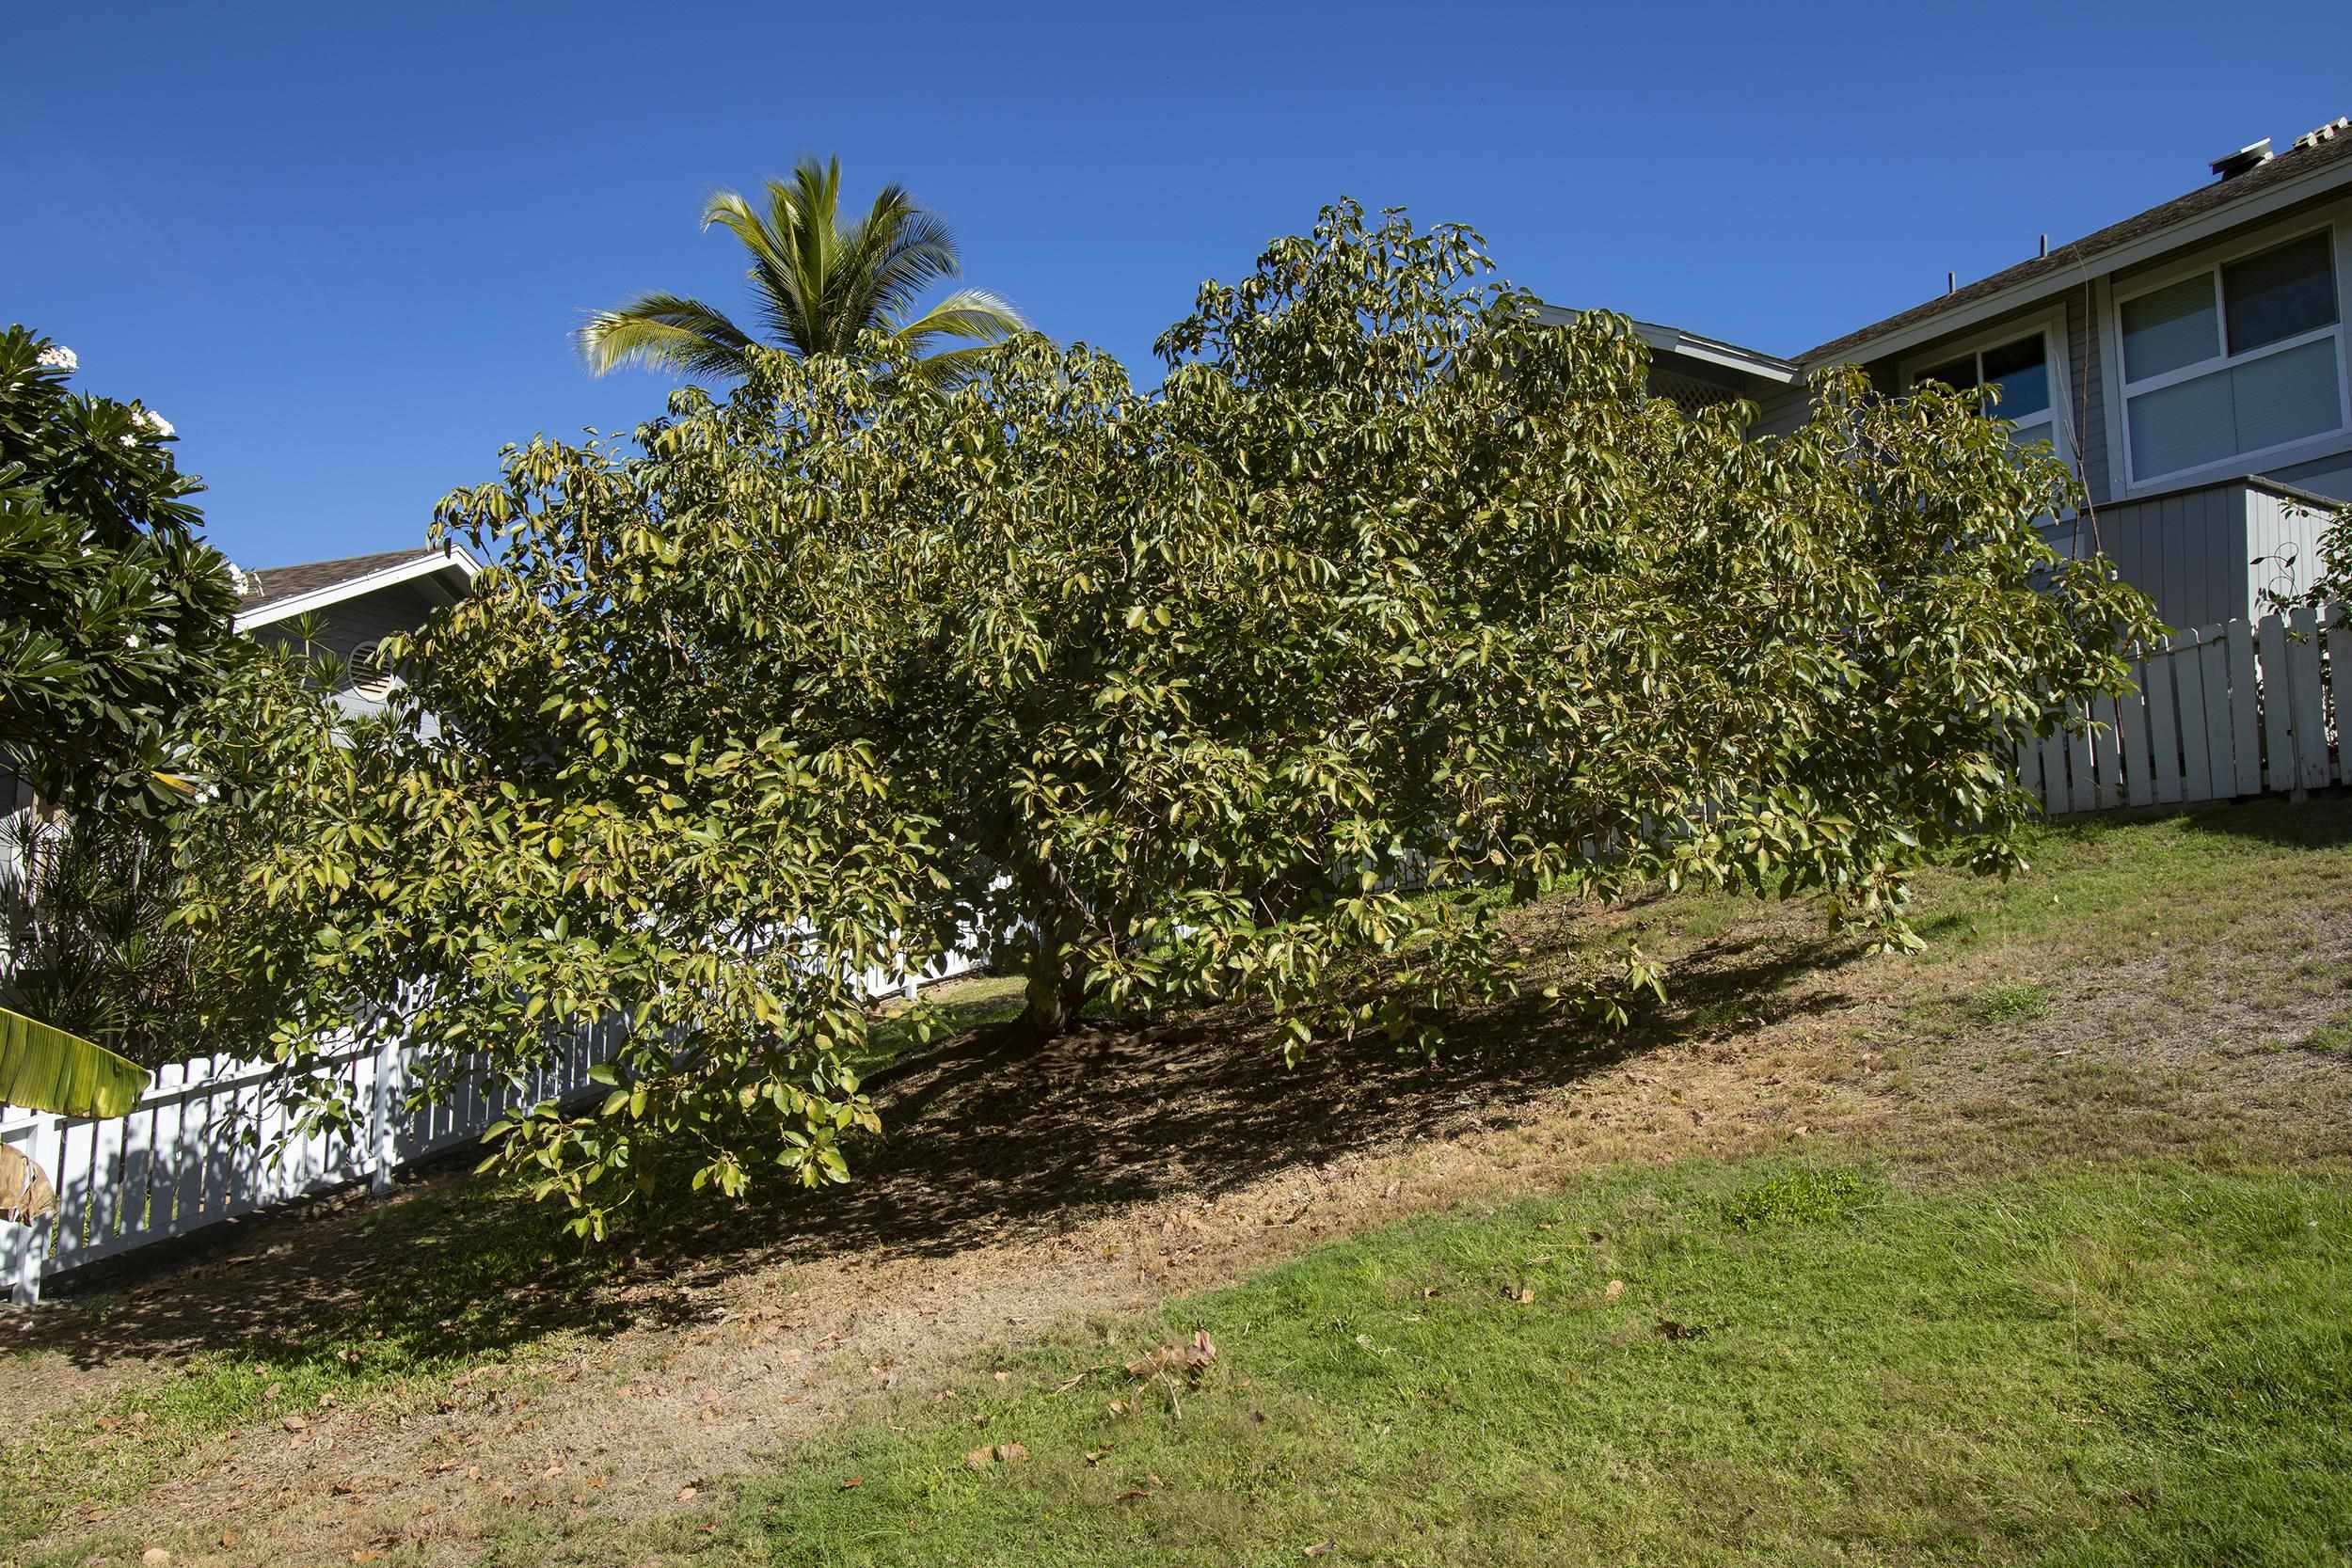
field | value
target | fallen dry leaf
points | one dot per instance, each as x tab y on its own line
1004	1377
1162	1360
686	1493
155	1557
979	1459
296	1423
1674	1330
1321	1548
1523	1295
1132	1494
1094	1456
1617	1289
853	1481
1011	1453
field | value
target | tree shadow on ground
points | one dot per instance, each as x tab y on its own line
2322	822
991	1141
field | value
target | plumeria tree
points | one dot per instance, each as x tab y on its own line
113	610
114	614
1257	686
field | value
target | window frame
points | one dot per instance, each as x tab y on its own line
2211	264
2050	320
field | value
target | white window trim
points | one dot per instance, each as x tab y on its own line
2305	449
2051	321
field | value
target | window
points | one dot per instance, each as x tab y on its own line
2243	358
2033	391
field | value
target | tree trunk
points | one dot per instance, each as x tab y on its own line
1056	979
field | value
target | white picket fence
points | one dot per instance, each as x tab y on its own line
2236	709
197	1149
205	1144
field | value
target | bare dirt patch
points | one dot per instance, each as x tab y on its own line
1020	1195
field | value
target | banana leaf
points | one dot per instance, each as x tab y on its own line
44	1069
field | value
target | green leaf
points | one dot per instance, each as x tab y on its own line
44	1069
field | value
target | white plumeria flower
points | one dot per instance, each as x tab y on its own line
58	358
156	422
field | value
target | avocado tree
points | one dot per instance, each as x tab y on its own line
1256	686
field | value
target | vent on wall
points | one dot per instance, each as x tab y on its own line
2230	164
370	676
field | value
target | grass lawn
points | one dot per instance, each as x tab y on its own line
2030	1248
1795	1364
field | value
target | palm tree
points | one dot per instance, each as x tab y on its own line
817	286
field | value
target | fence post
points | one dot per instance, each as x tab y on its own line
28	1244
382	1134
23	1285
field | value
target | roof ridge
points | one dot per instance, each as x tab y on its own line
2329	144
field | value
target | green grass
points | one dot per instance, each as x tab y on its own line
2093	1367
973	1001
2011	1003
2335	1036
2130	883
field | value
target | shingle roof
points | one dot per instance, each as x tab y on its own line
2331	144
274	583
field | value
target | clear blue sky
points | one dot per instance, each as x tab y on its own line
342	248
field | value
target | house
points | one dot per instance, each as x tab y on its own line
356	601
2190	362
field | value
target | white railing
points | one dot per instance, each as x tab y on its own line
206	1144
2236	709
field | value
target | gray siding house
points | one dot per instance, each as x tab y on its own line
2190	362
357	601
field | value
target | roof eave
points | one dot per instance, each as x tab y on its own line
452	559
1676	343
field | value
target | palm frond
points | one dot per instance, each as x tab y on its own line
972	315
770	238
819	274
763	238
666	332
817	285
899	252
